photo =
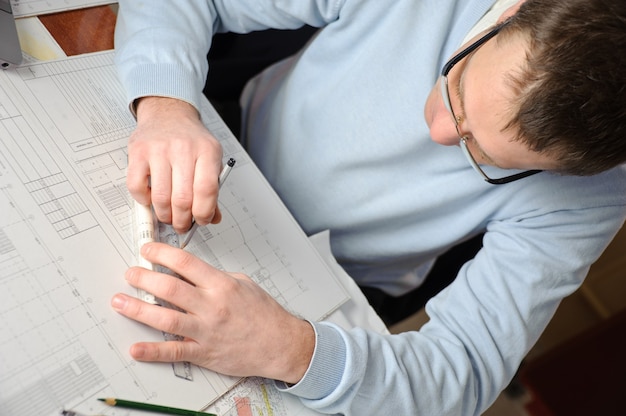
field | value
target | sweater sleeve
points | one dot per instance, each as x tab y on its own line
161	46
480	327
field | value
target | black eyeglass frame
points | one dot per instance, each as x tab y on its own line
445	93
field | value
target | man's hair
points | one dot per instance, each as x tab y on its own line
572	92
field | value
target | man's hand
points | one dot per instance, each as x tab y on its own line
174	163
231	324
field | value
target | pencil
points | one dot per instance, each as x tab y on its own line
153	407
221	179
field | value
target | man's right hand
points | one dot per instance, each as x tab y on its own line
174	163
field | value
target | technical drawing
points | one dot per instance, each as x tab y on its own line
67	238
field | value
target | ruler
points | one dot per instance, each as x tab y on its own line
149	229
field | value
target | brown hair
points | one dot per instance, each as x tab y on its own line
572	93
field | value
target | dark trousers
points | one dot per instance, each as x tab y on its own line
235	58
393	309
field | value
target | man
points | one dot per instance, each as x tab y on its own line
349	133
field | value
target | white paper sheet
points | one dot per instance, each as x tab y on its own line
24	8
66	238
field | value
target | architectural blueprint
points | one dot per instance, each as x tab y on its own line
67	237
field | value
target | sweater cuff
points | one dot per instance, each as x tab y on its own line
327	365
171	81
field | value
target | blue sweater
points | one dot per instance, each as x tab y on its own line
338	130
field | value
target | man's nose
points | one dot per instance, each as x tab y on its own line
444	131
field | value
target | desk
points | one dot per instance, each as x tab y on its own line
82	31
38	200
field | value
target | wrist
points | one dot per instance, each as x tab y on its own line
328	366
300	352
154	107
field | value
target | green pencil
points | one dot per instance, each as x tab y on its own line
153	407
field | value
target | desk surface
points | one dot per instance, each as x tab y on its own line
82	31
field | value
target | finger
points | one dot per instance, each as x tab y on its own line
205	190
176	291
161	189
169	351
182	195
217	218
137	180
191	268
155	316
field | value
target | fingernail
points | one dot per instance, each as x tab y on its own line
137	351
118	303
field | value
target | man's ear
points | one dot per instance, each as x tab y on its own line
510	11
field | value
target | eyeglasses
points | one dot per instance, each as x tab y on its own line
445	93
